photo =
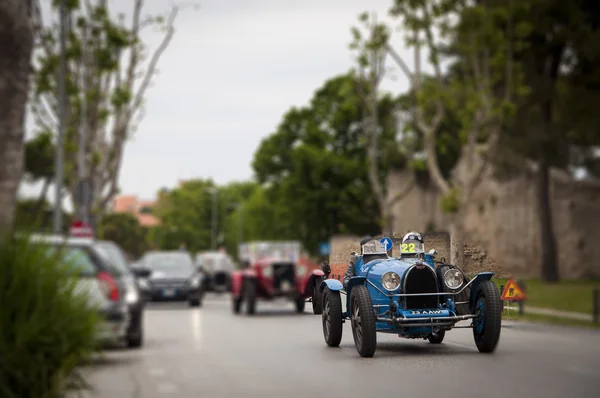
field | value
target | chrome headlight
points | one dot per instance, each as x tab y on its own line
453	278
390	281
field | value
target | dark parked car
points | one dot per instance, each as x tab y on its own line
133	296
173	276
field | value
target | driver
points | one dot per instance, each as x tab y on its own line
412	245
351	270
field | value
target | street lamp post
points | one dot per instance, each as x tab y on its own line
215	213
59	158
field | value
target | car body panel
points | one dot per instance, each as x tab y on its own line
115	317
173	276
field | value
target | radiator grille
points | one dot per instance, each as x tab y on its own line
421	280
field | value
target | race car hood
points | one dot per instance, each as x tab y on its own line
373	270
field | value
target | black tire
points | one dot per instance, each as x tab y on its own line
332	317
363	320
250	296
486	330
195	302
437	338
236	304
317	297
135	338
300	305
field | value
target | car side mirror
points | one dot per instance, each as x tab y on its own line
141	272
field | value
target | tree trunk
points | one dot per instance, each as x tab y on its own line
549	266
16	36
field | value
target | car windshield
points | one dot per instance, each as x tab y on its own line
75	258
114	257
167	261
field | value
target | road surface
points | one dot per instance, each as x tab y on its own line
211	353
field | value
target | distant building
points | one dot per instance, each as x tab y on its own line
141	209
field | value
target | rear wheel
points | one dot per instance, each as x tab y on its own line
332	317
487	326
250	296
317	297
363	321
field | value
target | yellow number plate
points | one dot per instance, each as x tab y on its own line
408	248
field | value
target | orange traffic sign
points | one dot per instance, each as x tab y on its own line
513	292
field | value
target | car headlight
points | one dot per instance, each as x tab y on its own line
267	272
390	281
195	282
143	284
453	278
132	297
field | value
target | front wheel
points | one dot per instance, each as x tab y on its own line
317	297
487	326
300	304
363	321
332	317
437	338
250	296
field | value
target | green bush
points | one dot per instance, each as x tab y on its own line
47	329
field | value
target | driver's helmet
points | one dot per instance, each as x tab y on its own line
412	244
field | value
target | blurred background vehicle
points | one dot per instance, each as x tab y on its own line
217	267
98	280
275	270
115	256
172	276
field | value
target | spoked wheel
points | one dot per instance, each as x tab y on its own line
363	321
437	338
487	326
332	317
317	297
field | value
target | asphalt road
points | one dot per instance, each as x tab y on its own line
209	352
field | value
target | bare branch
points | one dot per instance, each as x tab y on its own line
402	194
401	64
154	61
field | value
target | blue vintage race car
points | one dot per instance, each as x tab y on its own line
411	297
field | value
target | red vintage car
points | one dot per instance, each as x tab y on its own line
271	277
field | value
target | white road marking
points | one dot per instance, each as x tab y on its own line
582	371
156	372
167	388
196	325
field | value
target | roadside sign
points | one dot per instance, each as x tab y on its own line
325	249
81	230
513	292
387	242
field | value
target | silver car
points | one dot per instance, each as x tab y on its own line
97	281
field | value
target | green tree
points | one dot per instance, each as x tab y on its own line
314	167
105	82
39	163
124	229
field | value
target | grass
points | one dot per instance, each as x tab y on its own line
535	318
567	295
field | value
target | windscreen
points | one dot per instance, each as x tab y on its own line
166	261
114	258
76	259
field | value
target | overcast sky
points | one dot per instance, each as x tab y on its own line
232	70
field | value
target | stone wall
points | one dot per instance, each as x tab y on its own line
500	223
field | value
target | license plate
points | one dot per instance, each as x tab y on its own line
168	292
